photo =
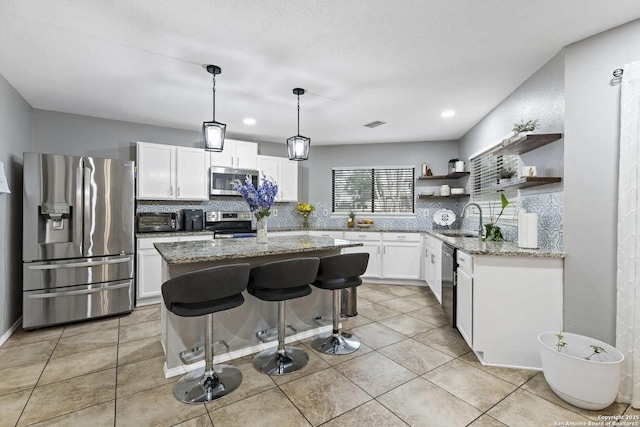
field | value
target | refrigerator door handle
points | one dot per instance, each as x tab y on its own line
77	264
119	285
87	214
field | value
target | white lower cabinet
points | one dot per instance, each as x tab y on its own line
401	256
149	267
432	265
464	304
371	244
513	299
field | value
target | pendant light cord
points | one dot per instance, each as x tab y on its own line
214	97
298	114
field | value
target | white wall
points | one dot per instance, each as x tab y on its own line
62	133
316	172
540	97
15	138
592	122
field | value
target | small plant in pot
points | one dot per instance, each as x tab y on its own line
523	127
582	371
505	174
493	231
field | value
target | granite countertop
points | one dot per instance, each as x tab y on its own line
356	229
214	250
173	234
475	246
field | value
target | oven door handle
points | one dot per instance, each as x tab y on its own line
120	285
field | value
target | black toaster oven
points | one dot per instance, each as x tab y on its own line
149	222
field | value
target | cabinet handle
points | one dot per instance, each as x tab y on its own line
178	194
378	250
401	237
432	262
384	250
171	191
364	236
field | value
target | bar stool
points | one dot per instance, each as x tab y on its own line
202	293
281	281
336	273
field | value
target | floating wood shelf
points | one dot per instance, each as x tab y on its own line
452	175
453	196
528	143
527	181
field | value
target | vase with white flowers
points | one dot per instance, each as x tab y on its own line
259	200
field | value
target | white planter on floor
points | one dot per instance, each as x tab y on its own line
589	384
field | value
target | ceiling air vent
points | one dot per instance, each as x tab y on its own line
375	124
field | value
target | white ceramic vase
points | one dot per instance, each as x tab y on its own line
589	384
261	230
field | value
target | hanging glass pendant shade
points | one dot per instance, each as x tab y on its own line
298	145
213	132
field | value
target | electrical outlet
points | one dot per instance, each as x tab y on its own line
425	212
314	214
325	212
274	211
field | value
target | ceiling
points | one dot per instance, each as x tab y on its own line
401	62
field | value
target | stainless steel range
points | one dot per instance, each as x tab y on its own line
78	220
227	225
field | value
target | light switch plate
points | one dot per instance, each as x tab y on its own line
425	213
325	212
274	211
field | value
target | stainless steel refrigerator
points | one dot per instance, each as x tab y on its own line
78	238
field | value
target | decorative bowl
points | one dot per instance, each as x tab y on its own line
364	225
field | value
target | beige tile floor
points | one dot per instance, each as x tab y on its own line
412	369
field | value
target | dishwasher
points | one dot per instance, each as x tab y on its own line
449	283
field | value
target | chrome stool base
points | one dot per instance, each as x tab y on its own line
272	362
197	387
340	343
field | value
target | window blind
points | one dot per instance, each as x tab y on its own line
485	168
373	189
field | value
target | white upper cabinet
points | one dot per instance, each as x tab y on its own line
156	168
191	174
285	174
167	172
237	155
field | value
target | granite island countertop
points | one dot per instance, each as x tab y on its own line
215	250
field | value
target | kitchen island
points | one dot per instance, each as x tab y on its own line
238	326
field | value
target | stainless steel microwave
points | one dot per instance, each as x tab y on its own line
221	179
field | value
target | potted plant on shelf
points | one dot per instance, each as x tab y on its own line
582	371
505	174
523	128
259	200
493	231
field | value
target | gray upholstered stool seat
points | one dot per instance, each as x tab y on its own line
281	281
335	273
202	293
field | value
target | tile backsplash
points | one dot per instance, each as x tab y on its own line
548	206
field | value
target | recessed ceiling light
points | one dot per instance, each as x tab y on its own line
448	113
249	121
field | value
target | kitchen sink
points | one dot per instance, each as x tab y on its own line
457	233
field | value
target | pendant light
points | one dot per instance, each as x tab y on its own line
298	145
213	132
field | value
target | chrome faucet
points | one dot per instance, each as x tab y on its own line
480	212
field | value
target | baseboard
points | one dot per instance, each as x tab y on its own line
183	369
405	282
10	332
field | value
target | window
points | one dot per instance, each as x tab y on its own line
484	175
373	189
